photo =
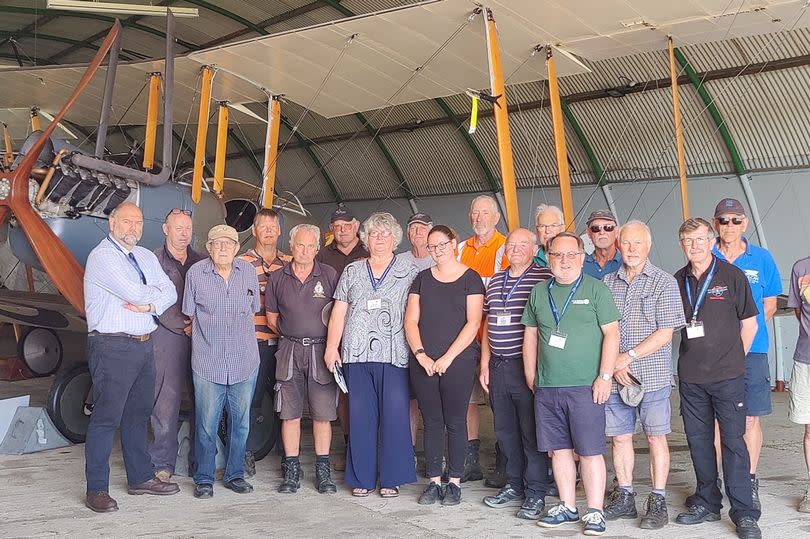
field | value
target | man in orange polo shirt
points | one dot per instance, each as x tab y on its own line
265	258
484	253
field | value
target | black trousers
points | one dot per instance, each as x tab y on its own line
512	405
123	373
443	401
265	378
701	404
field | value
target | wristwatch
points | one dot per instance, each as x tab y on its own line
418	351
605	376
632	353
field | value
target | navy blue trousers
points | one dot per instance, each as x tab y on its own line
512	405
379	426
123	372
701	404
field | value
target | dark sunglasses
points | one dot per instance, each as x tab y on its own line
177	211
725	220
598	228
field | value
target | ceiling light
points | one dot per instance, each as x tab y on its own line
121	9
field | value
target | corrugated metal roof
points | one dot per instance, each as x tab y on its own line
359	169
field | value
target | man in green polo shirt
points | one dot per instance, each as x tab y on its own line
570	346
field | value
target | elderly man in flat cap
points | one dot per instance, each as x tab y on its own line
221	296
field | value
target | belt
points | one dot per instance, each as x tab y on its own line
269	342
140	338
506	359
306	341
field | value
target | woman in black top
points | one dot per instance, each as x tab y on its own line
444	312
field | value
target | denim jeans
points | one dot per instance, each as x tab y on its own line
210	399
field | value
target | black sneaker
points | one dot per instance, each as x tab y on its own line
755	494
621	504
250	464
532	509
452	494
747	528
431	494
238	485
692	499
506	497
323	478
291	478
697	514
657	516
204	490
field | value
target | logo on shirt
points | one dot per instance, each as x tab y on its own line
581	301
717	292
318	291
752	275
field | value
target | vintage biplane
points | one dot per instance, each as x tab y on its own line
56	202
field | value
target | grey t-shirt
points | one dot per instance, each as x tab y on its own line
374	331
421	263
801	269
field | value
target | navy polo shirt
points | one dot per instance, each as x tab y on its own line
592	268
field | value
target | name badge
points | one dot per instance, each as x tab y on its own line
503	318
373	304
694	330
557	340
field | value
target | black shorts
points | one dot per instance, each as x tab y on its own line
567	418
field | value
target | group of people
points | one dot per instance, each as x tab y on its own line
567	348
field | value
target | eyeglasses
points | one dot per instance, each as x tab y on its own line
725	220
549	227
702	240
570	255
598	228
222	244
379	234
438	247
177	211
343	226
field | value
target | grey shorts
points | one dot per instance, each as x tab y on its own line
567	418
302	374
654	413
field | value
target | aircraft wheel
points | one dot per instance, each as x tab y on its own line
264	430
68	404
41	351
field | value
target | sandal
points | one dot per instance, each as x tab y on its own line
389	492
361	492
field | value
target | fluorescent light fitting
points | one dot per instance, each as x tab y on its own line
118	8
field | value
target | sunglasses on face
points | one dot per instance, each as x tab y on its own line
725	220
177	211
598	228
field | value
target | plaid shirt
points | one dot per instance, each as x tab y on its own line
650	302
263	271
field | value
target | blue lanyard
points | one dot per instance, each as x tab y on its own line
702	295
557	315
505	297
131	259
377	283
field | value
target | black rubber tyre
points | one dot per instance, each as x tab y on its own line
41	351
67	402
265	431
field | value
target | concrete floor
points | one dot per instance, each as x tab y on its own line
42	495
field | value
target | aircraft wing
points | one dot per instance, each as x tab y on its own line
42	310
46	88
316	68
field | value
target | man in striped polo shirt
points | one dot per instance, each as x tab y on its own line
502	377
265	258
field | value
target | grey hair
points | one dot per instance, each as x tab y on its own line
488	198
307	227
544	208
532	235
636	222
385	221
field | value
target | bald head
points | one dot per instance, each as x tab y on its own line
520	247
126	224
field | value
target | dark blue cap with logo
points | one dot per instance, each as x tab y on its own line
342	213
729	205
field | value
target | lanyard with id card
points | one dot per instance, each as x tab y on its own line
694	329
503	316
376	302
558	339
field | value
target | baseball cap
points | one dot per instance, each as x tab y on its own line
632	394
420	217
601	214
729	205
342	213
223	231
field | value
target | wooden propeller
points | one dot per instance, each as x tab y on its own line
56	259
